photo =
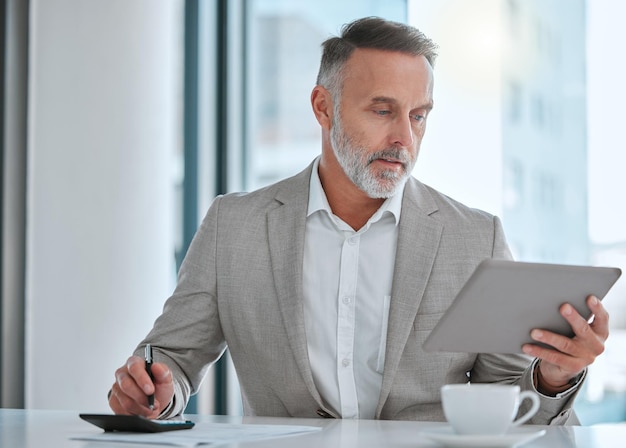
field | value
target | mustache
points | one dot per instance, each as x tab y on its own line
401	155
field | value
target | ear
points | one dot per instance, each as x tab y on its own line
322	104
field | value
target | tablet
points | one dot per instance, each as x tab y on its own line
504	300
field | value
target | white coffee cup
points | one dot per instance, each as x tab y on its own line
485	408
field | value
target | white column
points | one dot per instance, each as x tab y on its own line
105	94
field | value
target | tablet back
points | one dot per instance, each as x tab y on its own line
504	300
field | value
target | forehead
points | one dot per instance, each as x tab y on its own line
370	73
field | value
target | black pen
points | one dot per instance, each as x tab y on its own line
148	356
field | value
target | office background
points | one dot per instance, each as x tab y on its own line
123	119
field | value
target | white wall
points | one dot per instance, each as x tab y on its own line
104	129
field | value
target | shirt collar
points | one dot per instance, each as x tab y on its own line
318	200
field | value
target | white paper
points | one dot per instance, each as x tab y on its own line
202	434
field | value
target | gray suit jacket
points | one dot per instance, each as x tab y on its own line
241	286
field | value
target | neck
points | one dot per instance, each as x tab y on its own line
346	200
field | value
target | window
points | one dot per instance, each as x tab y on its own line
514	102
553	177
282	53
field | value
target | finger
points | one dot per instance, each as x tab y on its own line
586	341
137	369
600	323
560	350
562	344
126	383
579	324
564	361
121	403
127	388
114	403
161	374
164	386
538	351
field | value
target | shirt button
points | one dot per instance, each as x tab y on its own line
345	362
346	300
351	241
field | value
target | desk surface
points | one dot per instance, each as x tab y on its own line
53	429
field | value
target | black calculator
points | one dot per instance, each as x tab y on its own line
134	423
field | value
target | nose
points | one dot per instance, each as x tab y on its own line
402	132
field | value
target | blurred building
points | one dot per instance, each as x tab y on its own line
284	58
544	132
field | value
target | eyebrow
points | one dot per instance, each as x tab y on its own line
386	99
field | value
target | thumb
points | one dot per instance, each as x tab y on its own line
163	384
161	373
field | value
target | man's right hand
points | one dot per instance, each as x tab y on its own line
129	394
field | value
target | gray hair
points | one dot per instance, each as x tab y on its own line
374	33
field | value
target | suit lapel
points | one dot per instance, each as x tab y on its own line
418	241
286	226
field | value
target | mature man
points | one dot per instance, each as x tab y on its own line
325	285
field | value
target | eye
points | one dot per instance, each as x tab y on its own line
382	113
418	117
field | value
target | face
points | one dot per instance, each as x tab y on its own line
379	123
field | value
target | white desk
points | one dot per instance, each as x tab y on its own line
53	429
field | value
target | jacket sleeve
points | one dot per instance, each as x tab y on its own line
188	336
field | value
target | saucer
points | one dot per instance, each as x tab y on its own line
515	437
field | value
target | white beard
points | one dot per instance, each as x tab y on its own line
382	184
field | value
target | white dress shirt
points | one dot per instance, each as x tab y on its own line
347	291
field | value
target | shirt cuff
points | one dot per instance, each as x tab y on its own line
573	385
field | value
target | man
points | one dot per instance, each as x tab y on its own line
325	285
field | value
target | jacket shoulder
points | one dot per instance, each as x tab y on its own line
441	205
